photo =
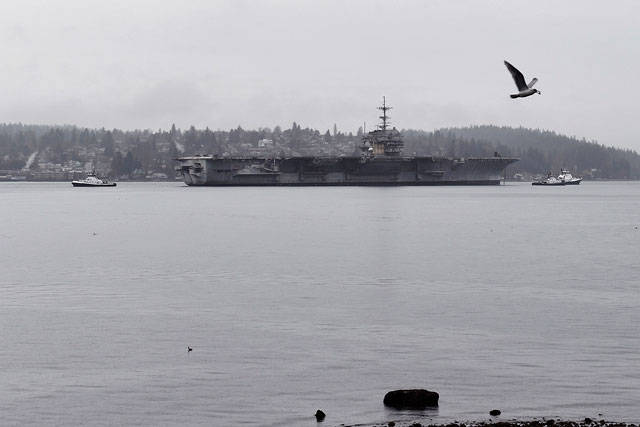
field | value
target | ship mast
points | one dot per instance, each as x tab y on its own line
384	117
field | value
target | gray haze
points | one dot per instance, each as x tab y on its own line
148	64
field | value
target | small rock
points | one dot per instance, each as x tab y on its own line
391	424
411	399
588	420
320	415
494	412
550	422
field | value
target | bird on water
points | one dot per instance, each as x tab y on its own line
189	349
524	89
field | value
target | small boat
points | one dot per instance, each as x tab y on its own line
549	180
565	178
93	181
568	178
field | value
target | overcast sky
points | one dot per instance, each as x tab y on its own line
148	64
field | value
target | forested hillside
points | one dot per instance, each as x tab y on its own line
41	152
544	150
539	151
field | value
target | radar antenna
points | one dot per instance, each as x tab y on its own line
384	117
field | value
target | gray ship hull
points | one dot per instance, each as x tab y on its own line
338	171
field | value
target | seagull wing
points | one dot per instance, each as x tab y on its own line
517	76
532	82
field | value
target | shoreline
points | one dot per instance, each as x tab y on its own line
497	422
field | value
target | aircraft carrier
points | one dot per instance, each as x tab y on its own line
380	163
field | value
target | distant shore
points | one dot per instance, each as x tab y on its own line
180	179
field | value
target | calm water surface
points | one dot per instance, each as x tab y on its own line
515	297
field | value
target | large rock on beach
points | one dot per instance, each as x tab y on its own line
411	399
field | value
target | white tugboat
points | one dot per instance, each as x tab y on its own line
565	178
568	179
93	181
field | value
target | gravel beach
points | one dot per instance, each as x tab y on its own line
542	422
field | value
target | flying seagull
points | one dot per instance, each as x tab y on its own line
524	89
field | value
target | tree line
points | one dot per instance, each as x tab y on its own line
118	152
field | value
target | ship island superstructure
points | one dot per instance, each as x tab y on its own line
380	162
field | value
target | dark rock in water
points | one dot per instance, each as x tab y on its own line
391	424
320	415
588	420
411	399
551	422
416	425
494	412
